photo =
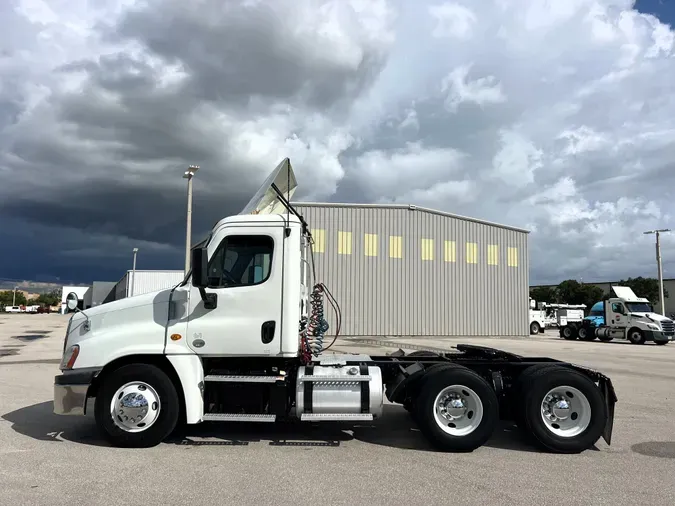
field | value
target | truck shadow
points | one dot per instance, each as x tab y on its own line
396	430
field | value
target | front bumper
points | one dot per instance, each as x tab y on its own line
70	391
657	335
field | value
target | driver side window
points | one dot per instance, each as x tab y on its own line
617	307
241	260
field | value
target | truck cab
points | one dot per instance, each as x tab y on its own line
627	316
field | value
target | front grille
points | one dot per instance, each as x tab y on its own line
668	327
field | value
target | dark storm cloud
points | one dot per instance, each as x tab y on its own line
233	52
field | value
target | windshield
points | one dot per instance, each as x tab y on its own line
638	307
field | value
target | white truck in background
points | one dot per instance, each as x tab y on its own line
242	339
626	316
565	317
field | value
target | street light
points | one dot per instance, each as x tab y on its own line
133	274
189	174
14	296
658	262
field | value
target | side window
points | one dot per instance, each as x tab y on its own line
617	307
241	260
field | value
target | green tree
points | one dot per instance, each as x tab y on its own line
572	292
7	296
52	298
544	294
644	287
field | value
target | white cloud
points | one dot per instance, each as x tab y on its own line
452	20
558	116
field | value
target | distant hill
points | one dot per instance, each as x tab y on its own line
32	286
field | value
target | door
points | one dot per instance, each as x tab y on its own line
246	275
617	314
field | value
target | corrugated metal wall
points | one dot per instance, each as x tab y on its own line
146	282
396	271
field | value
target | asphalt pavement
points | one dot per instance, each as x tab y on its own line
47	459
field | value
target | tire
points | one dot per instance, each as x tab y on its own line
585	334
636	336
586	414
535	328
569	333
152	426
477	411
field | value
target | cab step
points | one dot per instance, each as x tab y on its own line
238	417
243	379
336	417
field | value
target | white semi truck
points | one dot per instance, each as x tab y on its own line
241	339
625	316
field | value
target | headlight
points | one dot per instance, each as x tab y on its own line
69	357
653	327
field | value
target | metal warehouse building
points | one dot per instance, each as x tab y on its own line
408	271
140	282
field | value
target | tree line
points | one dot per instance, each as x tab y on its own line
573	292
52	298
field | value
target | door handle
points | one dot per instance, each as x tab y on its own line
267	331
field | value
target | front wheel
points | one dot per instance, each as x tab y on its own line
636	336
563	410
457	410
535	328
137	406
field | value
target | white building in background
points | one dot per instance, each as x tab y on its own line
146	282
83	296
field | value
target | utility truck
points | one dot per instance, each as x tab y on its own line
243	338
626	316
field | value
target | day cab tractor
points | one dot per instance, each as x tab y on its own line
628	317
243	338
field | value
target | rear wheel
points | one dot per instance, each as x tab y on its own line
137	406
585	334
562	409
569	333
636	336
535	328
457	410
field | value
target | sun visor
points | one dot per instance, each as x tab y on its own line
266	200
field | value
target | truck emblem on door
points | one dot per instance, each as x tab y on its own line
198	342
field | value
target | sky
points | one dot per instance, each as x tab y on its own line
557	117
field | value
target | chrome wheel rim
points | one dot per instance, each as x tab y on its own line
566	411
135	407
458	410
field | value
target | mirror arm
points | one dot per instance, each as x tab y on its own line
210	299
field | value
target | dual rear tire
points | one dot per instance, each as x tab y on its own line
563	411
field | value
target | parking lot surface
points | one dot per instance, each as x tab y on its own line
53	460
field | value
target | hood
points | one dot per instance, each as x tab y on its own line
652	316
158	297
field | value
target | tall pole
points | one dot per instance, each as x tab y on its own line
133	274
14	296
189	174
659	266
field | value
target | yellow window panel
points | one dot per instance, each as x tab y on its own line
344	243
427	249
512	257
450	251
370	245
471	253
319	236
395	246
493	254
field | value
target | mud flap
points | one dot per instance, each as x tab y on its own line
610	401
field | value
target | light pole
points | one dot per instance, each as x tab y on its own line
133	274
14	296
658	263
189	174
